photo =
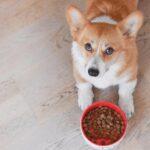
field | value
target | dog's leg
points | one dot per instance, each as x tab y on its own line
85	95
126	98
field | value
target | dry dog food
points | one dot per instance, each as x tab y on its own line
103	125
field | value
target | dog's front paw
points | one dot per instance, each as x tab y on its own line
85	100
127	106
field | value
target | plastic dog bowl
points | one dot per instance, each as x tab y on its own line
107	146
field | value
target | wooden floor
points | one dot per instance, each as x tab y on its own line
38	106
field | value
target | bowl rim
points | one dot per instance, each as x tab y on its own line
107	104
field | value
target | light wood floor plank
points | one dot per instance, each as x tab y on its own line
38	100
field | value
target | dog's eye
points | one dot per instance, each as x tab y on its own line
88	47
109	51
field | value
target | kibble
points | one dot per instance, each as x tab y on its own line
103	124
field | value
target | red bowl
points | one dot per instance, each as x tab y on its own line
115	108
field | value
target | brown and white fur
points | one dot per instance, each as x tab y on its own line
105	25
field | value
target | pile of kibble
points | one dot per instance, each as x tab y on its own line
103	123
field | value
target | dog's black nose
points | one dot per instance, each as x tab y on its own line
93	72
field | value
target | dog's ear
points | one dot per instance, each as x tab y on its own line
131	24
76	19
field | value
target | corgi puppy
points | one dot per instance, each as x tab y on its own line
104	49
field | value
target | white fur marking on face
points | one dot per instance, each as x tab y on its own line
104	19
99	45
102	45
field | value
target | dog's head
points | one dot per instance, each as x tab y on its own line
102	44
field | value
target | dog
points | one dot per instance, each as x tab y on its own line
104	49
